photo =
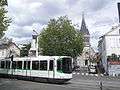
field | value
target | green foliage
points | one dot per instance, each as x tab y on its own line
60	38
25	50
113	57
4	20
3	2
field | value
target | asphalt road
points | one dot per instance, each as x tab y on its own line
76	83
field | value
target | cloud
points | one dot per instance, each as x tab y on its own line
19	32
27	15
95	5
34	12
104	21
71	2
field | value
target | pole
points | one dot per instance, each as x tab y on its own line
12	66
101	85
119	11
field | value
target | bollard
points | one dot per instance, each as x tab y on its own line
101	85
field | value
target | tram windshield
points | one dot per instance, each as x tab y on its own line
64	65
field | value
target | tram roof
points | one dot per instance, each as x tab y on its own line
39	58
36	58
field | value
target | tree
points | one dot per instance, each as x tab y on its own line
4	20
25	50
60	38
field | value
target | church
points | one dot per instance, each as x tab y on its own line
88	53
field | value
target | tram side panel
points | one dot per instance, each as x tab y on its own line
39	69
4	68
36	68
51	68
64	68
26	68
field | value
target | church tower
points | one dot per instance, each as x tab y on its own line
83	59
85	32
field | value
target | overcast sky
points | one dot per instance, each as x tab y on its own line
100	16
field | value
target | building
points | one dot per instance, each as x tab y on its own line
108	45
84	59
8	48
114	68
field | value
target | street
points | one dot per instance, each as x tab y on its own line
77	83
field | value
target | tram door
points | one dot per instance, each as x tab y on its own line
27	68
51	69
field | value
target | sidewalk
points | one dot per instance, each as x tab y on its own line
88	76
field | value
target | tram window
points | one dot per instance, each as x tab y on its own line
67	65
14	64
26	64
7	64
19	64
59	65
43	65
64	65
51	65
35	65
2	64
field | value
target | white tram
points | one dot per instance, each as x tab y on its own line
56	69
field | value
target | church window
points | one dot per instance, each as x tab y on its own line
86	62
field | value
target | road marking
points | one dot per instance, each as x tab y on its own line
74	73
87	74
82	73
91	74
96	75
101	74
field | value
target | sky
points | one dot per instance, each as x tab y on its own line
100	16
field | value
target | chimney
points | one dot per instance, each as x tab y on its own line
119	11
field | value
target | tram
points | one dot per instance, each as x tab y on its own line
55	69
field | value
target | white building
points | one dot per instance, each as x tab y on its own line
110	44
7	48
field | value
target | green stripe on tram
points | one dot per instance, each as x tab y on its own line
60	71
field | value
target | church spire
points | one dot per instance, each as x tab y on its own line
84	29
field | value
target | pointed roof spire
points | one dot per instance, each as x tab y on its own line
84	29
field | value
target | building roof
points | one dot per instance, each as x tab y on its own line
111	30
5	43
84	29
